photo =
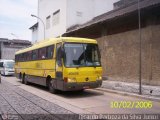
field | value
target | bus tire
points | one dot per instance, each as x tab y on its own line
21	78
82	90
19	75
51	87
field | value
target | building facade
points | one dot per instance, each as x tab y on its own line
117	33
9	47
60	15
34	29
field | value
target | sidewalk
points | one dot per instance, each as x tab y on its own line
130	89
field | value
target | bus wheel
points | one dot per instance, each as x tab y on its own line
82	90
25	79
22	78
51	87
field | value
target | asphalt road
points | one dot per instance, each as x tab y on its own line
17	98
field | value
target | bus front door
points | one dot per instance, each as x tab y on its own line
59	67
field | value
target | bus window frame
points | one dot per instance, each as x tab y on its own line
20	58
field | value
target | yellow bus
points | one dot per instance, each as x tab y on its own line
65	63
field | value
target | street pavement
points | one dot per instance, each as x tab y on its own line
149	90
17	98
16	101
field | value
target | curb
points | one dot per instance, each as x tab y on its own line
129	94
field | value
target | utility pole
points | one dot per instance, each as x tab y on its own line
140	49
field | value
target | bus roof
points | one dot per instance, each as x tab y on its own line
52	41
4	60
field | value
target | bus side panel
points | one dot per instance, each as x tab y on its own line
37	70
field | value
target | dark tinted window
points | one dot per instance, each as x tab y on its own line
1	64
42	53
50	50
16	58
29	55
25	56
20	57
34	54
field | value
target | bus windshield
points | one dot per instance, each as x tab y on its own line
9	64
81	54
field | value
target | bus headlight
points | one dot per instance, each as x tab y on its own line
99	78
71	79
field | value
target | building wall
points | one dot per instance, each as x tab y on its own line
121	55
9	53
46	8
72	12
34	35
81	11
9	47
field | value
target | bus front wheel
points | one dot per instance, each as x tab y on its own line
21	78
51	87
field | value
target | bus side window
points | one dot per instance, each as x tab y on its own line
50	51
25	56
42	53
34	54
1	64
59	55
29	56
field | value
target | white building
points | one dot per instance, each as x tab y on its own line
59	15
34	29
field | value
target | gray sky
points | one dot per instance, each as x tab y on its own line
15	18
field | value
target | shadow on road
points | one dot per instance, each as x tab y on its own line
7	75
70	94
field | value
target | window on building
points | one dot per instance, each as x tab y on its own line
48	22
79	14
56	17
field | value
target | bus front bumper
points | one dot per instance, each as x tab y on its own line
9	73
81	86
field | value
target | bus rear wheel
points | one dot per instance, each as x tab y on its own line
21	78
24	79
